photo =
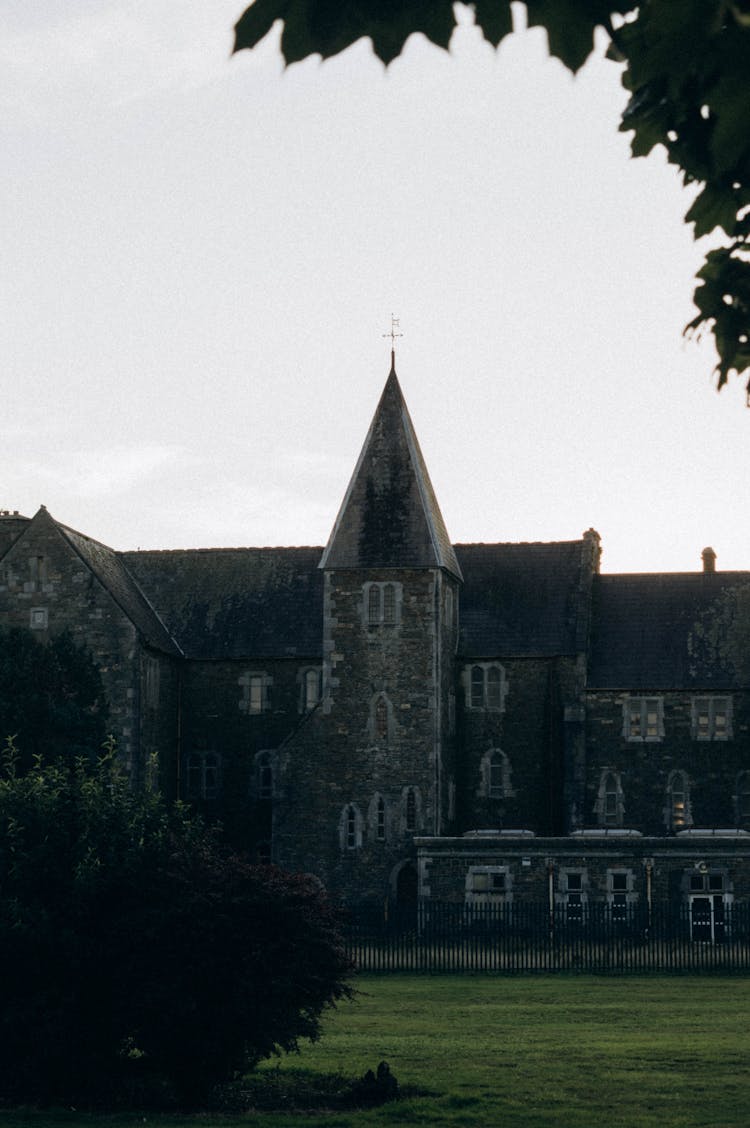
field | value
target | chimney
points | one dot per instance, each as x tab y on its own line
709	560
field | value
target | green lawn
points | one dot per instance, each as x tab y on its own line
556	1052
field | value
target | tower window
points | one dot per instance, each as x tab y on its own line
382	603
310	689
380	727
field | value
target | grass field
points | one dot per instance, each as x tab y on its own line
553	1052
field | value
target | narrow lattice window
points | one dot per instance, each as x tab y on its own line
380	820
477	687
611	801
389	603
496	777
494	688
381	719
411	810
373	604
351	828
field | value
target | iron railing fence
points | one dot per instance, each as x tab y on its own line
705	935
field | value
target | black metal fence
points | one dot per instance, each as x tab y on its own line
704	935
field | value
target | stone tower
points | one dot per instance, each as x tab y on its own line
373	766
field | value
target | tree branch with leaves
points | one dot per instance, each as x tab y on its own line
687	70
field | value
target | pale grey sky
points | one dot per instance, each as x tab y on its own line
201	254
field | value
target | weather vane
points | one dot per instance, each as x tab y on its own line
395	326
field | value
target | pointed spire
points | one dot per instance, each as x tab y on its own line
390	517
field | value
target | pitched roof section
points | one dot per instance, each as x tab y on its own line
649	631
249	603
108	567
390	517
521	599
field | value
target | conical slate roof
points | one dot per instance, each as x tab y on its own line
390	517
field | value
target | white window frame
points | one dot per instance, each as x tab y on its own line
644	731
712	707
264	775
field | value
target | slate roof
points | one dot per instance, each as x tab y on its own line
11	527
519	599
236	602
648	631
390	517
109	569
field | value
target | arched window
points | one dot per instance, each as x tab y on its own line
264	776
382	603
678	801
494	688
477	687
351	828
411	810
486	686
610	804
373	604
389	603
495	775
380	819
381	719
311	690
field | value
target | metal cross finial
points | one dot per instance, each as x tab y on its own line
395	326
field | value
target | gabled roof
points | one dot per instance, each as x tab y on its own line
520	599
649	631
11	527
390	517
106	565
250	603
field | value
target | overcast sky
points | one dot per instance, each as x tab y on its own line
201	254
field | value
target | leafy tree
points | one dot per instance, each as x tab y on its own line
51	696
686	66
139	954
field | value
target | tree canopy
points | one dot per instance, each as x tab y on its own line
686	68
144	961
51	696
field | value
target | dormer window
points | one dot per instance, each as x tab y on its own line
382	603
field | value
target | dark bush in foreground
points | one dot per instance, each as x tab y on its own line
138	955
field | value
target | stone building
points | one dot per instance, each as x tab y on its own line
406	717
